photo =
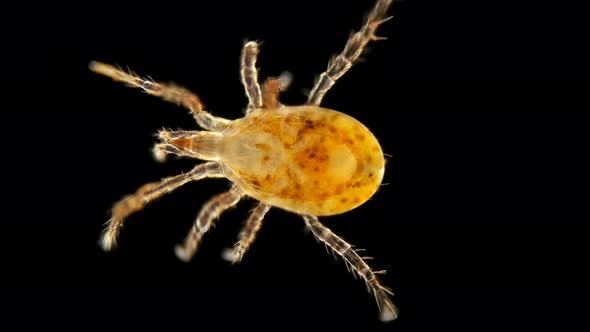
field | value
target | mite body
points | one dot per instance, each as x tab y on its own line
304	159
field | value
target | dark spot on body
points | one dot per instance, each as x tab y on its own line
370	175
353	184
316	169
312	150
343	200
262	146
309	124
360	137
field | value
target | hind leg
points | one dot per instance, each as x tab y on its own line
357	264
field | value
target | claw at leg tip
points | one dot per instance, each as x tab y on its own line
100	68
285	80
230	255
106	242
92	64
181	253
387	315
159	154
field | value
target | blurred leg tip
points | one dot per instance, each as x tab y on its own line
159	154
92	64
388	315
106	242
182	254
231	255
96	66
285	80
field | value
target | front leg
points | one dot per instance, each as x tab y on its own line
169	92
355	45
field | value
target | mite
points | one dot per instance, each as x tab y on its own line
306	159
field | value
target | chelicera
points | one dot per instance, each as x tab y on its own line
306	159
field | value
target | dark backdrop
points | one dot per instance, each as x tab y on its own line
481	220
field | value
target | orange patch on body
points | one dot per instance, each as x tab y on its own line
182	143
322	160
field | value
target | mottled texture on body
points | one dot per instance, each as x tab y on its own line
305	159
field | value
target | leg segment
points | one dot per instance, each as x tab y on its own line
249	75
210	211
247	235
169	92
352	50
358	265
147	193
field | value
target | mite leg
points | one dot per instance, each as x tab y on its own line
169	92
358	265
161	150
147	193
210	211
249	75
204	145
352	50
272	87
247	235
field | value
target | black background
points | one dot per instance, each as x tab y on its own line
481	220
